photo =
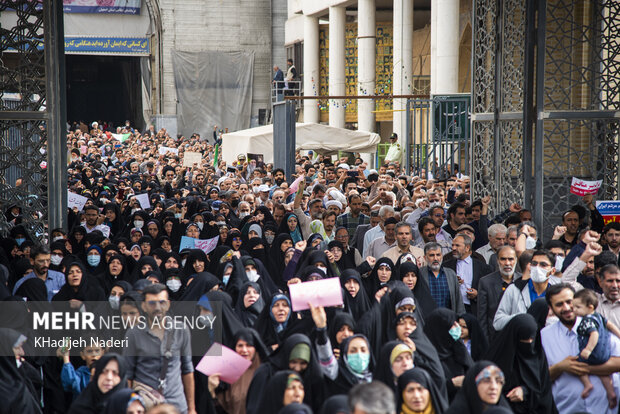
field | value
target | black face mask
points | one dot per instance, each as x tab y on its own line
525	348
234	203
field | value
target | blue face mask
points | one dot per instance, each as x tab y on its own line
20	241
225	279
93	260
455	332
358	362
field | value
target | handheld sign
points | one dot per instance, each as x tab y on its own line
76	200
224	361
326	292
582	187
190	158
205	245
143	199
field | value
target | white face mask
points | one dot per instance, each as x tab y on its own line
58	238
183	262
324	269
252	275
243	214
559	262
138	224
538	275
115	302
200	224
530	243
56	259
174	285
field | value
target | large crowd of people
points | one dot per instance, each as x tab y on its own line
448	307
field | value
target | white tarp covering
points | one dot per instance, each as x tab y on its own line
309	136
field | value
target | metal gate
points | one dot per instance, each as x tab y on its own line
438	132
545	102
32	120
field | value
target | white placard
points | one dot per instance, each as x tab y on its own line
143	199
190	158
76	200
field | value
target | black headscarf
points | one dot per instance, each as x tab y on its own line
16	395
87	290
358	305
346	378
467	400
250	336
313	375
522	365
336	404
144	260
199	284
188	269
383	371
420	376
119	401
477	338
424	301
339	320
107	280
230	322
372	283
33	290
316	256
453	355
540	311
248	315
118	225
92	400
272	399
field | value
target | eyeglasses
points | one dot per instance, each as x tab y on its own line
439	215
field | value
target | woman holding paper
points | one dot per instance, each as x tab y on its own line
232	397
278	321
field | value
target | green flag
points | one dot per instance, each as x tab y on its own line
216	155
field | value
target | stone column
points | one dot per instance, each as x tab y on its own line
311	68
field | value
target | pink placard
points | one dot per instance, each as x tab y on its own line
326	292
224	361
295	185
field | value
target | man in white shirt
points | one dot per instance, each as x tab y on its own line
376	232
91	219
561	348
497	239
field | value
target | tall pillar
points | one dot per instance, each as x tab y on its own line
366	63
403	64
337	19
444	46
311	68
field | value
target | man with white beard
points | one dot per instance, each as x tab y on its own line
491	288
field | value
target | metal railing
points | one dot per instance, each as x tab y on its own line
438	135
284	88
